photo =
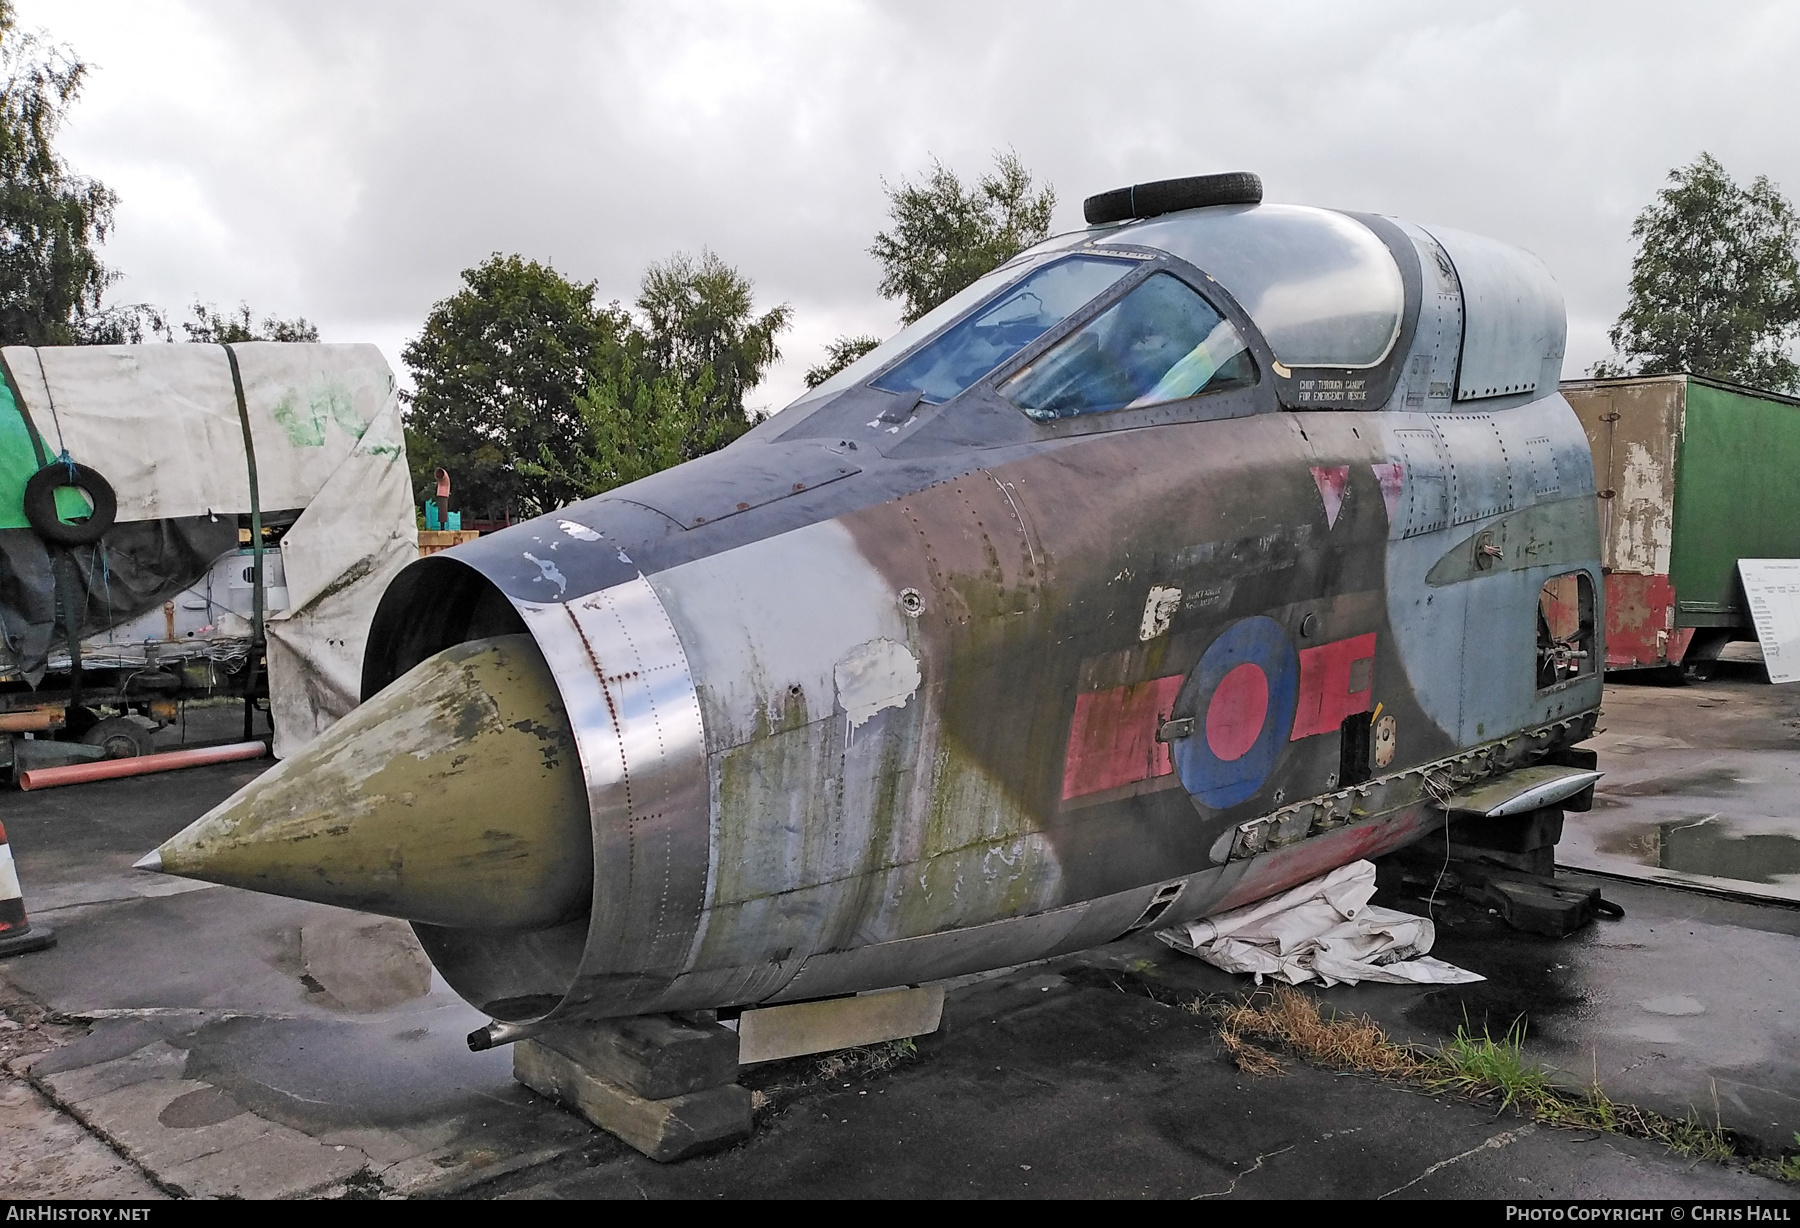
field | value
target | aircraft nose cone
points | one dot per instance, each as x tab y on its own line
452	797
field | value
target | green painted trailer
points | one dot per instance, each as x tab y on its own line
1693	474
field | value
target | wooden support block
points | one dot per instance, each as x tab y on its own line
654	1056
665	1130
771	1033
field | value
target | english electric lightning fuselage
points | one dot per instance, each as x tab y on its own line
1178	561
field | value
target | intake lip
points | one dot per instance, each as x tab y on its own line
634	717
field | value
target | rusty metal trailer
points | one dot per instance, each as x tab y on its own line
1694	474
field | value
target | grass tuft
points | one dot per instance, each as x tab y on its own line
1251	1059
1483	1066
1478	1067
1292	1020
1788	1167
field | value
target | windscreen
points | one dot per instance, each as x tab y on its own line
972	347
918	330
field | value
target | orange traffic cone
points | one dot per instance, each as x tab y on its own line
17	934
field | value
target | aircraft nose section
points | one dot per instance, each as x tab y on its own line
453	797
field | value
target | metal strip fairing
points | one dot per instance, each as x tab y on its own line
1430	783
630	696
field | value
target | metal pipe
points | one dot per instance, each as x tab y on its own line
498	1033
32	720
139	765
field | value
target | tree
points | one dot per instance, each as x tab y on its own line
51	219
210	326
533	396
838	355
496	372
700	314
122	324
639	422
1715	286
945	235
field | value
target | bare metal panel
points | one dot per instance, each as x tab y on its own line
1513	324
1430	375
630	697
1481	483
1466	655
1425	468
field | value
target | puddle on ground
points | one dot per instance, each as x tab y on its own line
1531	981
363	963
1635	744
205	1106
1706	844
1674	1004
1709	782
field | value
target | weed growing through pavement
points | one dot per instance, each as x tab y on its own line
869	1059
1789	1168
1480	1067
774	1087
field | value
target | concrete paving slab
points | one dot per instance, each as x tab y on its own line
80	1084
277	1163
1702	786
130	1119
48	900
45	1153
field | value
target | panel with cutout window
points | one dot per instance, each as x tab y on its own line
1565	629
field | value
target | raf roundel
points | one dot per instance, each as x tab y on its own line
1242	695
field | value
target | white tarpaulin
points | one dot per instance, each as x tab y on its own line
1773	589
161	423
1324	930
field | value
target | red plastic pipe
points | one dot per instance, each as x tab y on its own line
138	765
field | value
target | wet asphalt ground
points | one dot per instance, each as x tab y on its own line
208	1041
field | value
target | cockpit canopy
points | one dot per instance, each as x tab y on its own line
1325	290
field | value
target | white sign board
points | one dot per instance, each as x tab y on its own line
1773	587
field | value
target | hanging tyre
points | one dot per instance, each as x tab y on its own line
40	504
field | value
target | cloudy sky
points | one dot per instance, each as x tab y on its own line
343	161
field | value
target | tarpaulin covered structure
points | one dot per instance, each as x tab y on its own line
191	437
